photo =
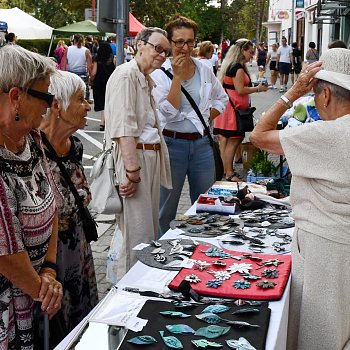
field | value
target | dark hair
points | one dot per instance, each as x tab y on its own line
180	22
79	39
312	45
337	44
283	37
10	37
104	52
295	45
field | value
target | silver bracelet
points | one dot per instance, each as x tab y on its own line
286	101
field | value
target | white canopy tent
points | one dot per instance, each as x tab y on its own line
23	25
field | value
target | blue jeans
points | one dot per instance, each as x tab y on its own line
194	159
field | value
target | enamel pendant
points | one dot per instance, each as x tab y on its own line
171	341
210	318
174	314
192	278
215	309
247	310
212	331
242	324
142	340
214	283
240	344
203	343
180	329
217	252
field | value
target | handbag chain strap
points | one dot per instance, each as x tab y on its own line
193	104
66	176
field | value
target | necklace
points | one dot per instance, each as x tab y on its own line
18	146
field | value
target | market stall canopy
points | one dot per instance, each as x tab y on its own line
134	25
83	27
23	25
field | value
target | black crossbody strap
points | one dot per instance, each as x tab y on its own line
66	176
229	98
193	104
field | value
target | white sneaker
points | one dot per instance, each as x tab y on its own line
285	89
281	89
274	87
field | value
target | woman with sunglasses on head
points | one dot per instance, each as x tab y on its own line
28	219
142	160
75	264
236	80
189	149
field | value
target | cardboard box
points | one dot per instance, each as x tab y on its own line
213	204
248	150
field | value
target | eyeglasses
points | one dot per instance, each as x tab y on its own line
159	49
182	43
48	98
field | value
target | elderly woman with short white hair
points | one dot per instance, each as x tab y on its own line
75	266
318	157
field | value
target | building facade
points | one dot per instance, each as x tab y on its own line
302	21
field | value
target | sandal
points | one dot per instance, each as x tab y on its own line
234	178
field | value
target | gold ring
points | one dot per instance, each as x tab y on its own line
56	289
306	71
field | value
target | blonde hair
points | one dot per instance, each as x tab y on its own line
234	56
22	68
205	47
61	43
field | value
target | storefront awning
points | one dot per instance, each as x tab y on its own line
330	11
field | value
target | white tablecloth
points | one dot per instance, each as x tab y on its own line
146	278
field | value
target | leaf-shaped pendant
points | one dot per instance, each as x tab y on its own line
217	252
203	343
240	344
212	331
247	310
215	309
142	340
174	314
242	324
180	329
171	341
210	318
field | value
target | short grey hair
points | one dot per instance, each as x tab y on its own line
339	93
22	68
145	33
64	85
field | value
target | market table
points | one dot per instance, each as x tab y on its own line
145	277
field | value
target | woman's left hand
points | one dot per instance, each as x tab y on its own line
305	81
51	293
128	188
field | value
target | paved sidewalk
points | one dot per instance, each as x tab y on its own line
262	101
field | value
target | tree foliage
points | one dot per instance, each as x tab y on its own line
230	18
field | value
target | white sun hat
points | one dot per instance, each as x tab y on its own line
336	67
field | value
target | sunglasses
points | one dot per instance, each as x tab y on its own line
47	97
159	49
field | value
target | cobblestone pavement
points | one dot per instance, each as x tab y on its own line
262	101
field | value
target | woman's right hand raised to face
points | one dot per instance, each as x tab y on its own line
179	64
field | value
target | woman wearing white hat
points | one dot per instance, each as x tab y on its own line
318	157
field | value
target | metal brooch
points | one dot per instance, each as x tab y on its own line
220	275
192	278
212	331
142	340
250	276
266	284
201	265
241	284
217	252
270	273
160	258
214	284
241	268
203	343
179	329
271	262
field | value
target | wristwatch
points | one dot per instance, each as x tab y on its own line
286	101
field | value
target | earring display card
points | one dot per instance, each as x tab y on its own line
252	276
159	322
167	254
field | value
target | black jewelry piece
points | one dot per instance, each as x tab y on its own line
49	265
17	117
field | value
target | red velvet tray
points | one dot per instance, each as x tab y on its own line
227	290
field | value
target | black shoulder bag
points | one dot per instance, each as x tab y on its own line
88	222
219	167
244	117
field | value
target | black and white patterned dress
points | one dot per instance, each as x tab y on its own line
76	269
